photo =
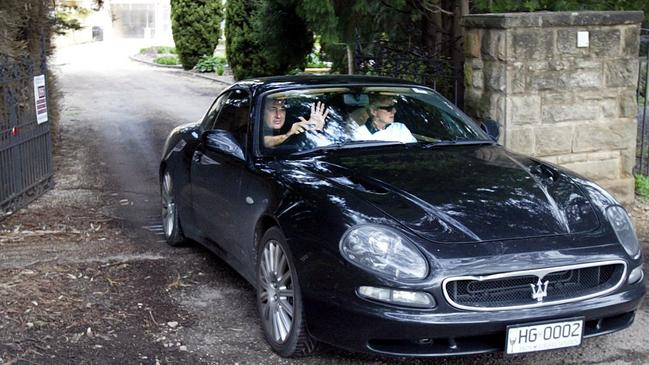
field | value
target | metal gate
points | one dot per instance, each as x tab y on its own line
25	146
642	150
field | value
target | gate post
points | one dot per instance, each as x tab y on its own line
562	85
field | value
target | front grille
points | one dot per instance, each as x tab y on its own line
565	284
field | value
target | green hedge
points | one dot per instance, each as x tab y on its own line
265	38
196	28
242	50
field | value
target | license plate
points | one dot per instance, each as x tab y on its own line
544	336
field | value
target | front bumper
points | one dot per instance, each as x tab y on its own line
358	325
335	314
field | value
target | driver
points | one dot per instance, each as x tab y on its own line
276	131
380	126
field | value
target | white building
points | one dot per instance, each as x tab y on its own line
143	19
149	19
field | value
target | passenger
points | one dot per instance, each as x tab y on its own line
380	125
276	131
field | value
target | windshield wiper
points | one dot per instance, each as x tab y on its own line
458	142
345	145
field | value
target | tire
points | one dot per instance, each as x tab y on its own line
279	300
170	219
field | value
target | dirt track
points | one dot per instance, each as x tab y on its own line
86	278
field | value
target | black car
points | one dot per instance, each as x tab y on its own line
372	214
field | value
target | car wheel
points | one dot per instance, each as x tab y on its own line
279	299
170	219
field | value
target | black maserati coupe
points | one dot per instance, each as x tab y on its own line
370	213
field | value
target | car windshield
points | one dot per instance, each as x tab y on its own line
311	120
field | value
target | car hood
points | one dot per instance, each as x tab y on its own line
457	193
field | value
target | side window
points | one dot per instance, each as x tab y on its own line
210	117
235	115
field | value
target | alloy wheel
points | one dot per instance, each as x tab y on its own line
168	206
277	292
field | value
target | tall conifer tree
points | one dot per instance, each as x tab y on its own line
196	27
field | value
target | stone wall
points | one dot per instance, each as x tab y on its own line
569	105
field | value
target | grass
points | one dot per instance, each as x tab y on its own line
158	50
166	50
642	186
167	60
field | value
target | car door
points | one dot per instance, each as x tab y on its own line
216	175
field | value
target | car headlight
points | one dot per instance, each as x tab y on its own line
623	228
383	250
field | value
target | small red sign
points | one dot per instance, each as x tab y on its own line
14	131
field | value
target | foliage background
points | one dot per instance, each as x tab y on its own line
272	34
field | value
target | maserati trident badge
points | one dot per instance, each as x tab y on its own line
540	290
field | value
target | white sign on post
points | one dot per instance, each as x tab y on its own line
40	97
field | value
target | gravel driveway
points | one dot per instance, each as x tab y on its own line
85	276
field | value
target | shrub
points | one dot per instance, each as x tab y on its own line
283	33
313	60
166	60
642	186
209	63
196	28
242	49
220	70
265	38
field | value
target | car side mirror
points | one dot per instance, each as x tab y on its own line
491	127
223	141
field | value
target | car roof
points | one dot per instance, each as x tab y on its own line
263	84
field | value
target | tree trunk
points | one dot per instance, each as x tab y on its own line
350	59
436	25
461	9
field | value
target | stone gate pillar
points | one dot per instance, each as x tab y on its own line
562	86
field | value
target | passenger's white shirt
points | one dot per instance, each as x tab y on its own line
395	132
